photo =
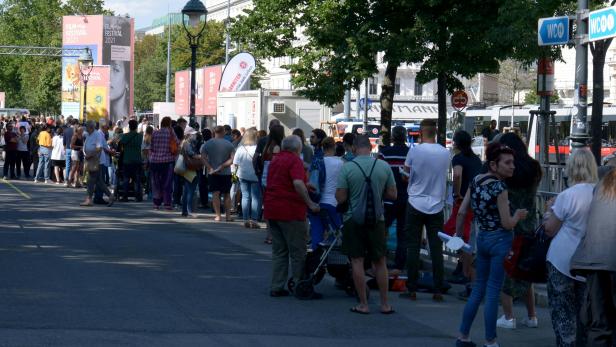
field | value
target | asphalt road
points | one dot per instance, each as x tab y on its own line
131	276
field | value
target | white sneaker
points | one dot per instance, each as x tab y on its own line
36	181
530	322
505	323
66	184
46	181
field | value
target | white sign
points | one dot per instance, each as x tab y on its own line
237	72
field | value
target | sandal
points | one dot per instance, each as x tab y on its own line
390	311
355	309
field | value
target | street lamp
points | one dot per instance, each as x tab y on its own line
193	9
85	67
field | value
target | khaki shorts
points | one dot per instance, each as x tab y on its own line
364	241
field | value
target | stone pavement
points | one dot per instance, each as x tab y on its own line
131	276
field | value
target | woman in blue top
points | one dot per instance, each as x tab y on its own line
489	200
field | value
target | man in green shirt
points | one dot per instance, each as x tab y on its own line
131	162
362	240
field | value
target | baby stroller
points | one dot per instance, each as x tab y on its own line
327	258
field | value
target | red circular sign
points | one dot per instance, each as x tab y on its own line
375	131
459	100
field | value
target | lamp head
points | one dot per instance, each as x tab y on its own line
85	60
194	9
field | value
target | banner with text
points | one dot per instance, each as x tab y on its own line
237	73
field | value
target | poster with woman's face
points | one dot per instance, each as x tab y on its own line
118	54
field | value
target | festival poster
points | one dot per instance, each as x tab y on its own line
78	32
182	93
212	76
118	53
97	105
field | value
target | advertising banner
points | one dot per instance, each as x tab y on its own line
212	77
199	92
182	93
97	105
78	32
118	45
237	72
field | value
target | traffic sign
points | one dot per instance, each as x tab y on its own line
601	24
553	31
362	103
459	99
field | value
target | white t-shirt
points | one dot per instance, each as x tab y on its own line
429	163
332	169
94	141
572	207
243	159
57	153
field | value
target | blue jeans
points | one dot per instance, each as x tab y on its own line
187	194
104	173
111	173
43	164
68	163
492	248
251	200
319	223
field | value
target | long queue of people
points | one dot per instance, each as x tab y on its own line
304	188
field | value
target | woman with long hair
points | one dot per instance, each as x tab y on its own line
58	155
163	153
249	183
522	187
466	165
488	197
76	157
565	221
189	178
272	147
146	145
595	258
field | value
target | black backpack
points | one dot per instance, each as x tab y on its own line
368	211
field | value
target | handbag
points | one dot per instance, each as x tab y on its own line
92	164
180	166
527	258
192	163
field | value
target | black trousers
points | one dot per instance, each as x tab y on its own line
34	161
9	164
23	160
132	173
598	313
203	189
397	212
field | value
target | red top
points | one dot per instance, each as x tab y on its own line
281	201
10	145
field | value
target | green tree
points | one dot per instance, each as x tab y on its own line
532	98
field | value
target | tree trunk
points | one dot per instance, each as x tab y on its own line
598	50
387	100
441	84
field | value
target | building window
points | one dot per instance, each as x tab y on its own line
397	86
418	88
372	86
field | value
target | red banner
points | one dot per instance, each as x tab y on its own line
212	77
182	93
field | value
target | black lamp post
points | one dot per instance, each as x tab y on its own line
85	67
193	9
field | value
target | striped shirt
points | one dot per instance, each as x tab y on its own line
160	151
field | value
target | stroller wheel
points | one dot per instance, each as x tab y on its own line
291	285
304	289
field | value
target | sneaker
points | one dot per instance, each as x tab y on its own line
46	181
35	180
530	322
5	178
505	323
460	343
66	184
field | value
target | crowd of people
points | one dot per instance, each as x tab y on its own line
302	188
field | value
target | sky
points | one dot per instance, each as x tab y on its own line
144	11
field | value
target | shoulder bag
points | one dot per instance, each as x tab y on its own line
527	259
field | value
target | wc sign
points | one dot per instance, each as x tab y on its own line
601	24
553	31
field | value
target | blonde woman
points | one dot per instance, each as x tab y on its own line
595	258
566	221
249	182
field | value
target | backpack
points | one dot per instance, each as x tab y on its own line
369	210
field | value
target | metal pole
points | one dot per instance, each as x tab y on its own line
366	109
85	97
168	88
579	124
228	40
193	80
357	103
347	103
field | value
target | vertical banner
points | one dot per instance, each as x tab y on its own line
199	92
78	32
97	98
237	72
2	100
182	93
118	44
212	77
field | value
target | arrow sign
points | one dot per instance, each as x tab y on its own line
601	24
553	31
